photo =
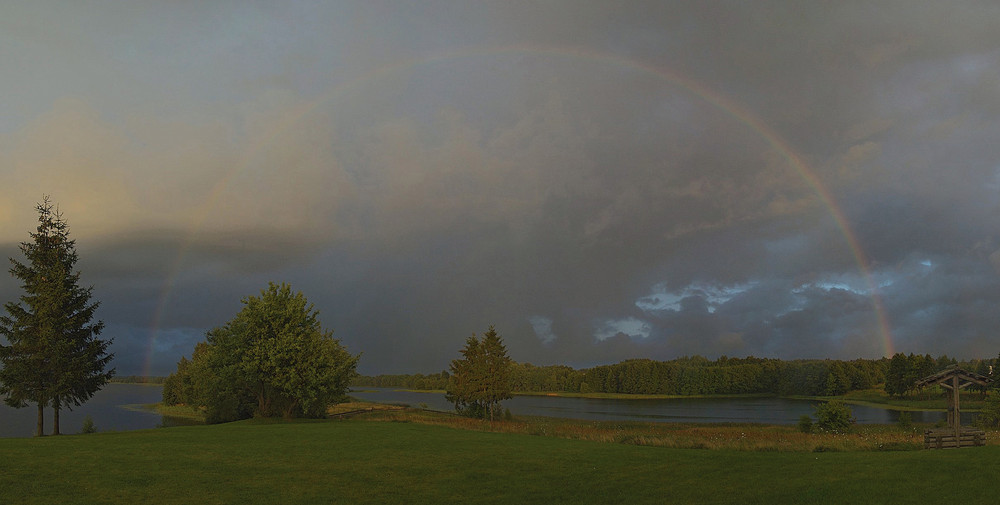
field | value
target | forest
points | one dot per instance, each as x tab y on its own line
697	375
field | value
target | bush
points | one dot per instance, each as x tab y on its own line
833	417
905	421
805	424
88	425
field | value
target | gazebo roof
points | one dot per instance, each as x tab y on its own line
950	372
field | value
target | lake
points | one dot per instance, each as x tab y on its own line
114	408
117	407
683	410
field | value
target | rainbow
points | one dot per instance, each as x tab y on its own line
703	92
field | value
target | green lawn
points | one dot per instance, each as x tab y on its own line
382	462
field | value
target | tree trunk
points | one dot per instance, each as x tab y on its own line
40	425
263	401
55	416
290	409
263	405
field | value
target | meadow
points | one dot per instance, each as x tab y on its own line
392	456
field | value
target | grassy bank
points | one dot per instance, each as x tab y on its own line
397	462
715	436
926	400
625	396
605	396
929	400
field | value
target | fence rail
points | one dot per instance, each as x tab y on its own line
945	438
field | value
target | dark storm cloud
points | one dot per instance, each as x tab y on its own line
423	171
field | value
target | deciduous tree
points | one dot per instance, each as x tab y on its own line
273	358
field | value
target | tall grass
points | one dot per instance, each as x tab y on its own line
729	436
739	437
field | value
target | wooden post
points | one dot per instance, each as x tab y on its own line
955	390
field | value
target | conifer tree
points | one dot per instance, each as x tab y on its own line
465	385
498	373
482	378
52	355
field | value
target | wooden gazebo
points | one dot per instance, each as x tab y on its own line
953	379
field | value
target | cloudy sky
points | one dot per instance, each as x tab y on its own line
600	180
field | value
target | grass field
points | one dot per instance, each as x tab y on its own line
929	399
358	461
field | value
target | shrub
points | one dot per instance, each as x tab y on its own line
833	417
88	425
805	424
905	421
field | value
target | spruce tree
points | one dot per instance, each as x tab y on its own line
465	385
52	356
482	378
498	372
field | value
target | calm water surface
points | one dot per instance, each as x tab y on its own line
686	410
117	407
114	408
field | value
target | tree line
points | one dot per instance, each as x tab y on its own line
903	371
138	379
697	375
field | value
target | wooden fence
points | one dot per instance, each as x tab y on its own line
944	438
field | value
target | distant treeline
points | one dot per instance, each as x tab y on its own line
700	376
138	379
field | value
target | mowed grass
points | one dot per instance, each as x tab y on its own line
356	461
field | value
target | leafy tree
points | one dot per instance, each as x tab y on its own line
482	378
178	386
53	354
896	377
272	359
